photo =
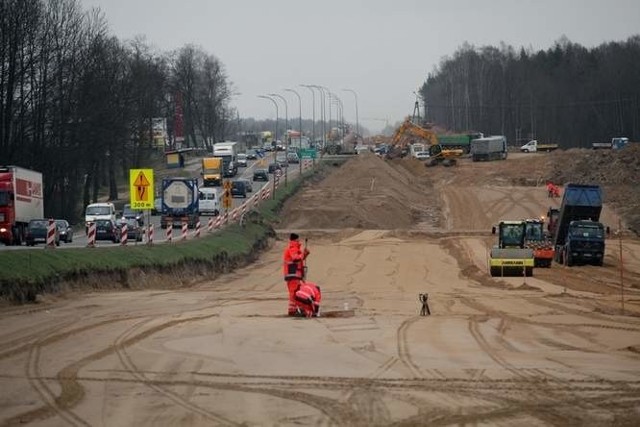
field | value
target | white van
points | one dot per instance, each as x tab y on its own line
96	211
209	201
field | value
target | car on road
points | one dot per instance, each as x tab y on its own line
65	230
274	167
107	229
241	160
260	175
238	189
129	213
253	154
134	231
37	232
293	158
247	183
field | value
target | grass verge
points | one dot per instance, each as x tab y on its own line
27	273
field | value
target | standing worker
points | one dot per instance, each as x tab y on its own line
294	257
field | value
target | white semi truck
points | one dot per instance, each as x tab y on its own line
228	152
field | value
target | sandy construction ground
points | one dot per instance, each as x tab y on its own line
552	349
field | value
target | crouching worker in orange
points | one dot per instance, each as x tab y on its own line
294	257
307	299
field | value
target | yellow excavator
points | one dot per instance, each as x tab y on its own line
403	137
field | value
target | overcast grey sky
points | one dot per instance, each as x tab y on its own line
382	49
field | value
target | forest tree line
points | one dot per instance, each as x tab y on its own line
567	94
77	104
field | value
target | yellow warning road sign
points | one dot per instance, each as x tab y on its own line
141	188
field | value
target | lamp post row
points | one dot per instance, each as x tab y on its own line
325	93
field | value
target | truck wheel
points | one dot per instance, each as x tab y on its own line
568	259
525	151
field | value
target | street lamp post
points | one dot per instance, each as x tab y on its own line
355	94
322	115
286	134
300	118
313	114
273	193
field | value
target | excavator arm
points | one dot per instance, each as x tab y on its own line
408	129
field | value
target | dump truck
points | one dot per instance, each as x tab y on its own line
21	200
510	257
538	240
458	141
179	202
211	172
579	236
489	148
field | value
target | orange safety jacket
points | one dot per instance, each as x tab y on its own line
308	297
294	261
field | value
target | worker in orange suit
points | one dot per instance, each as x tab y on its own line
307	299
294	258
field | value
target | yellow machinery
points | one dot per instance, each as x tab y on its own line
436	153
510	257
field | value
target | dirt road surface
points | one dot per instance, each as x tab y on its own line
552	349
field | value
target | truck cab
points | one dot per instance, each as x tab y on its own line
579	237
96	211
211	172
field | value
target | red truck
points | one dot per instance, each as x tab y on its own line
20	201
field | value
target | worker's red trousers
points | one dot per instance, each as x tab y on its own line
292	286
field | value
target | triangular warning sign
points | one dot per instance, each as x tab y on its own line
141	181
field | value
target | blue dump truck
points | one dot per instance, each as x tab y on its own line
179	202
579	237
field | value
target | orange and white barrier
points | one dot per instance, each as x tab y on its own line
150	236
210	225
51	234
197	232
185	230
124	235
169	233
91	235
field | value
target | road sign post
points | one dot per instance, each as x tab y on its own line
141	188
227	199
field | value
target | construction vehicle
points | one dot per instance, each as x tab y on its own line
460	141
539	241
489	148
211	172
409	131
21	200
179	202
511	257
579	237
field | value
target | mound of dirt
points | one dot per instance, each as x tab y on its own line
617	171
367	192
